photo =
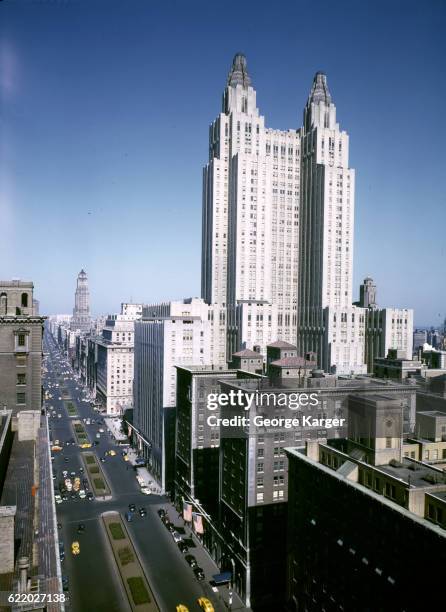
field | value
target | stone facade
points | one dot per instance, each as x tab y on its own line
20	347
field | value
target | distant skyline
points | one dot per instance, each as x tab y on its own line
104	117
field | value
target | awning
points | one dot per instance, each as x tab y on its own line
222	578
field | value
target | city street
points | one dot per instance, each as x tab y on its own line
94	582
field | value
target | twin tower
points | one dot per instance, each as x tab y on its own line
277	233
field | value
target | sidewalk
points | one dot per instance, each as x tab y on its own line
204	560
114	425
144	473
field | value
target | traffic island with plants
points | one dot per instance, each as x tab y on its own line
136	585
80	433
98	482
71	409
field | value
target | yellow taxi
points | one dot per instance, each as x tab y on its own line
182	608
204	603
75	548
86	445
126	458
56	448
112	453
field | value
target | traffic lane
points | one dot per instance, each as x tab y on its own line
94	582
161	567
169	574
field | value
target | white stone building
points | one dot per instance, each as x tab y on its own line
250	217
114	369
188	332
328	322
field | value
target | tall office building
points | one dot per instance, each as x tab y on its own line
250	219
81	312
328	323
171	334
367	293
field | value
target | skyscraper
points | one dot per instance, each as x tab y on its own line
250	219
328	323
81	311
367	293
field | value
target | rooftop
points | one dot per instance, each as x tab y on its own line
282	344
293	362
206	369
247	353
414	474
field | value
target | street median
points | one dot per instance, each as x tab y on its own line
136	585
71	409
96	476
80	433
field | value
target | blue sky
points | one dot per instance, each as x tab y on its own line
104	117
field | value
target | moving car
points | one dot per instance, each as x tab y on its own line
132	507
75	548
142	512
204	603
81	527
182	608
112	453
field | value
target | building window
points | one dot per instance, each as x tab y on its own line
21	398
21	340
260	468
260	497
21	378
388	442
25	300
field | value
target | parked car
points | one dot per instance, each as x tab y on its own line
128	517
162	513
183	547
199	574
191	561
176	536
